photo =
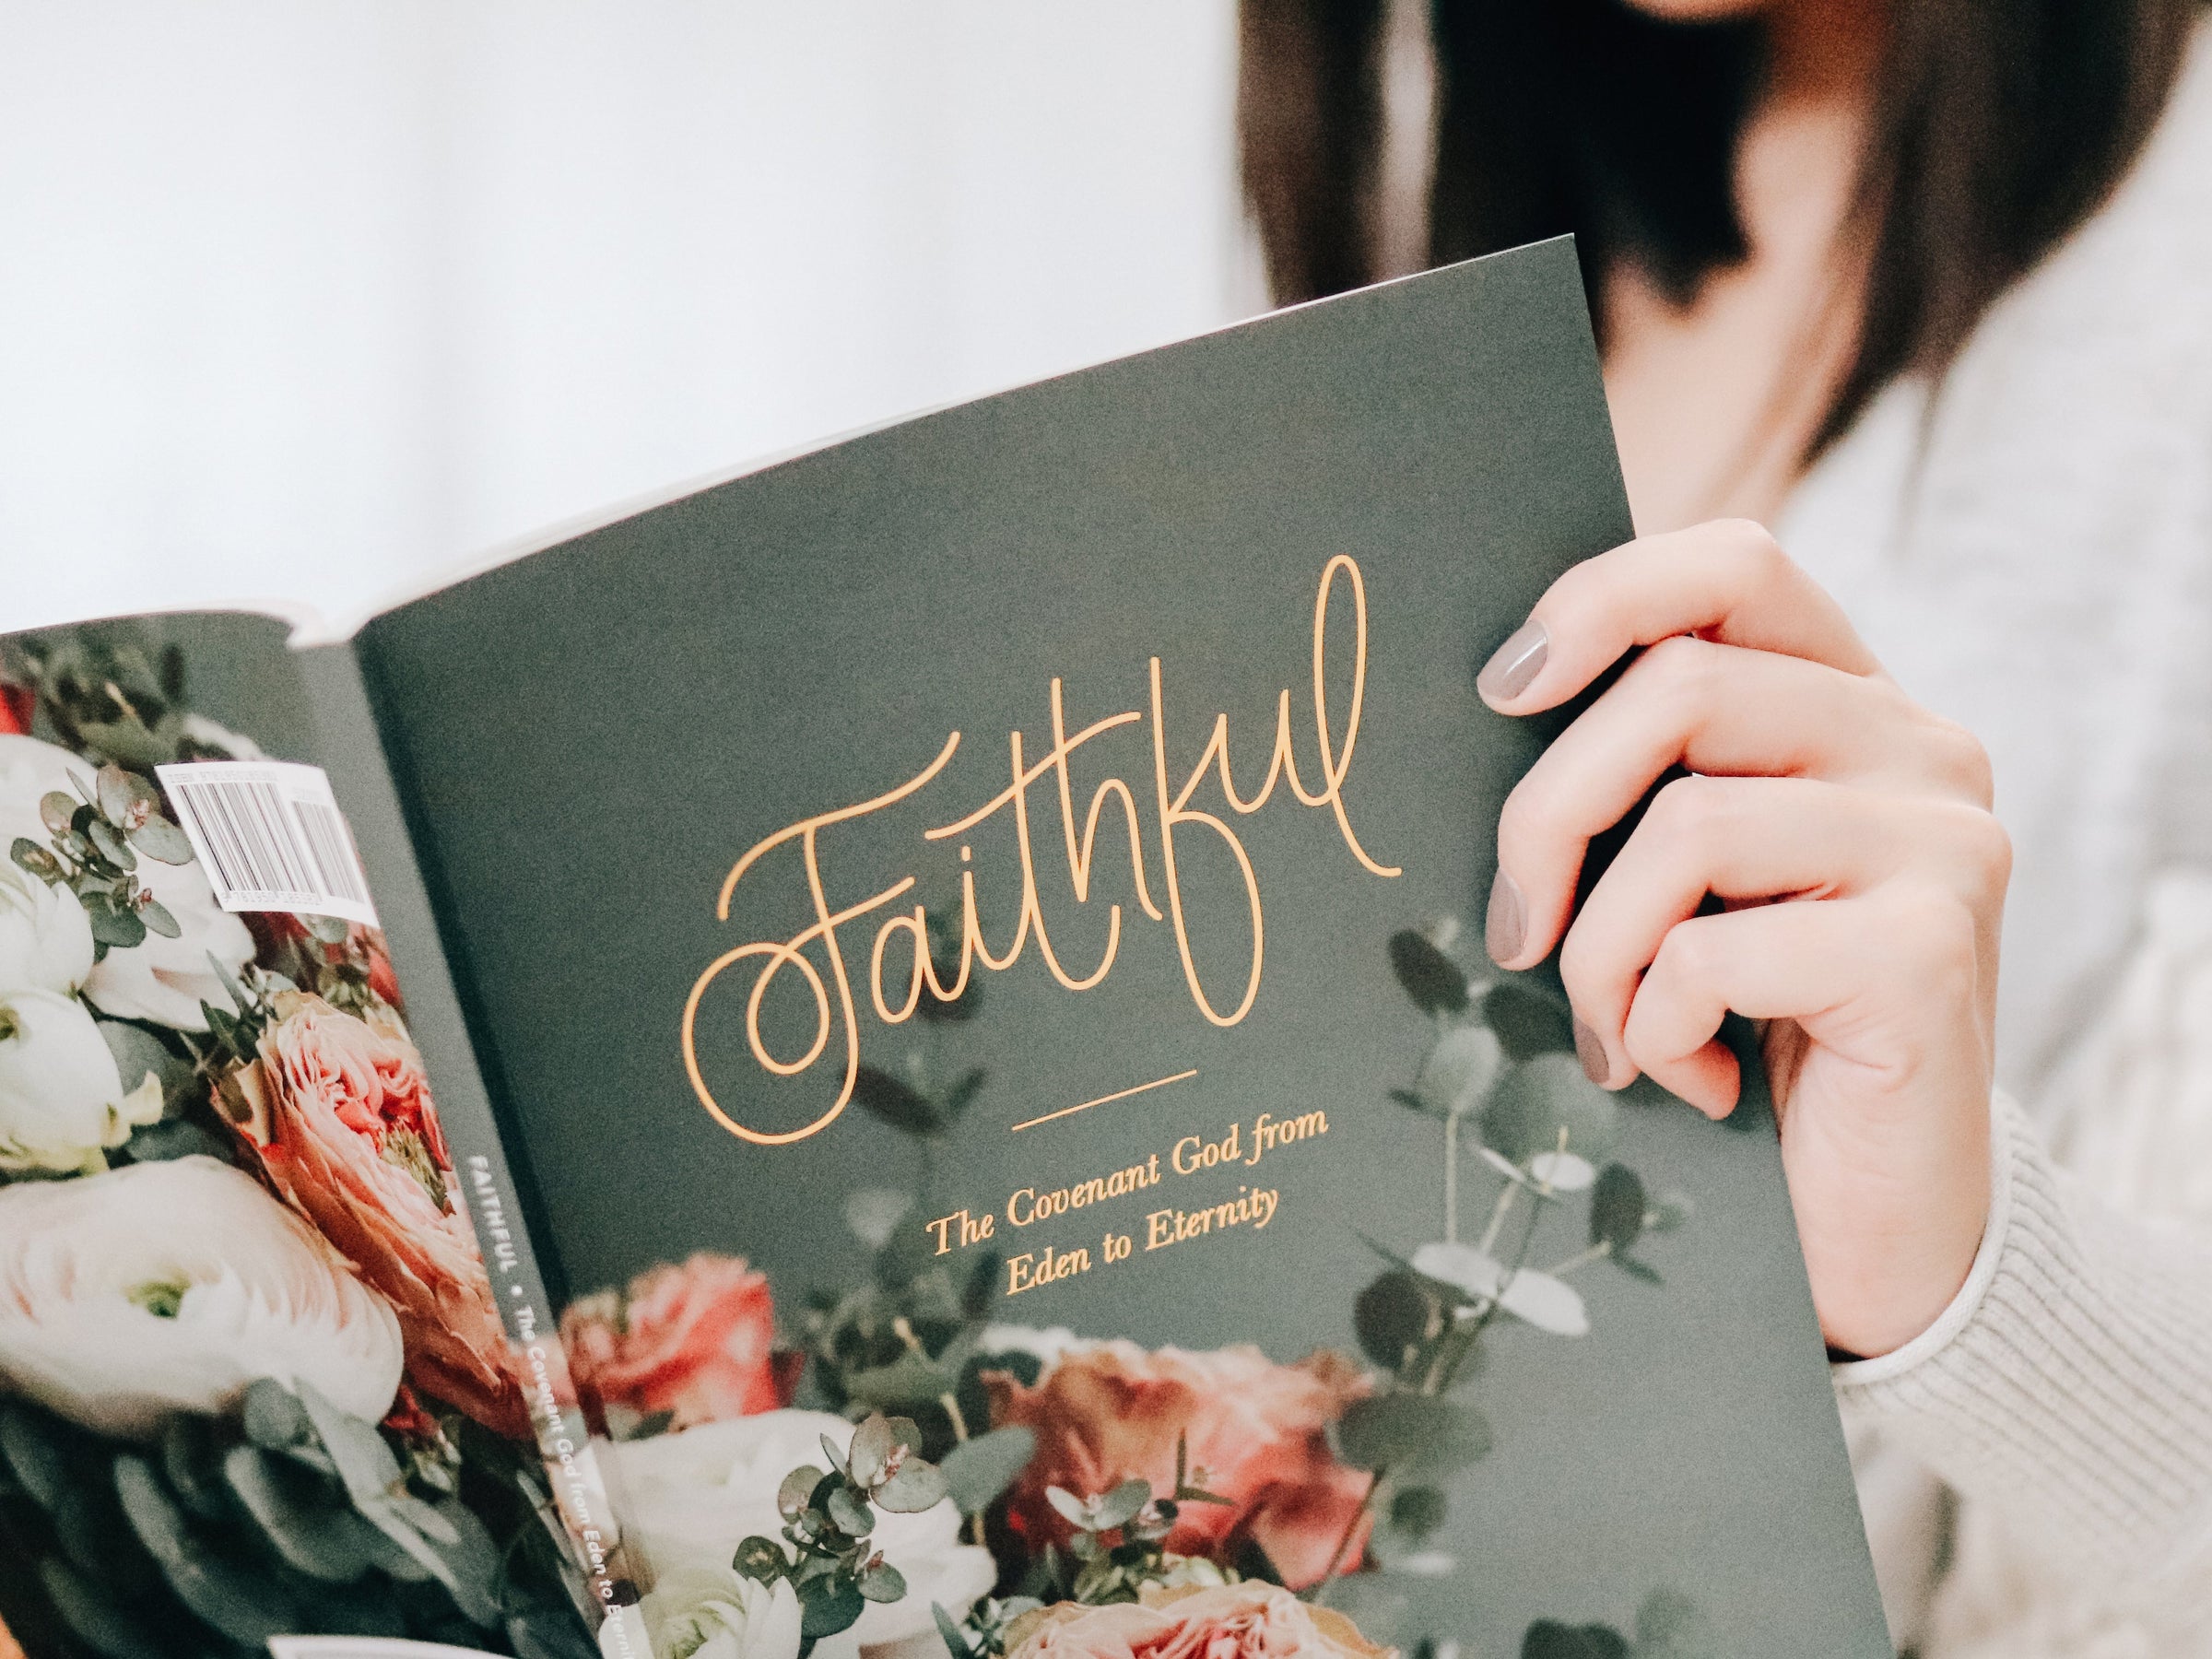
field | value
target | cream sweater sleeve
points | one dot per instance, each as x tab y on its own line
2066	1392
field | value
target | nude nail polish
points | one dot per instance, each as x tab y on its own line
1515	665
1591	1052
1505	924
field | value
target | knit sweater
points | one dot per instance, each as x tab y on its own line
2029	549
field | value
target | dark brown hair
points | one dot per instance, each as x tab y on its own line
1998	126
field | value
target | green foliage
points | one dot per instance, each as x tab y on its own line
1546	1104
1402	1428
977	1471
827	1555
94	839
1436	984
1118	1542
293	1517
1549	1638
1668	1626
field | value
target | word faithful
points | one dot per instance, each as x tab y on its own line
1173	812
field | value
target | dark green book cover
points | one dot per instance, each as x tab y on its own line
967	928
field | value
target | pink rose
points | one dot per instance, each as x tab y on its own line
340	1113
1253	1620
1109	1411
696	1339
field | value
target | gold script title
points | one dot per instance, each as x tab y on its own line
895	994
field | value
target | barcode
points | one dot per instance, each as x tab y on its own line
270	837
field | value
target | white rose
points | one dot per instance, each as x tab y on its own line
161	1288
45	941
62	1101
162	980
699	1615
695	1495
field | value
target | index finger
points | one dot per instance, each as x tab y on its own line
1726	581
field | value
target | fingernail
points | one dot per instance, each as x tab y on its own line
1591	1052
1506	922
1515	665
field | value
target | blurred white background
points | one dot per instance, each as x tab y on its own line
315	299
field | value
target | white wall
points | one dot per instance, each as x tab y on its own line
309	299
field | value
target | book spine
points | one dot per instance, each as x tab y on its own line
498	1203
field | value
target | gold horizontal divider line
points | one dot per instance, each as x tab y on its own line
1118	1094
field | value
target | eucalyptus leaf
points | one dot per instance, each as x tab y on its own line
1549	1638
1528	1021
849	1513
191	1462
1460	1069
797	1492
977	1471
274	1417
110	843
760	1559
162	842
1071	1508
365	1463
95	1620
56	808
1670	1626
1617	1208
955	1643
116	791
916	1487
1538	1298
1436	984
907	1380
307	1531
961	1095
873	1212
36	1453
120	929
1538	1099
834	1605
39	861
882	1583
1396	1313
896	1102
156	916
246	1608
1417	1511
1401	1428
1120	1506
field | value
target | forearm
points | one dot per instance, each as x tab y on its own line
2068	1387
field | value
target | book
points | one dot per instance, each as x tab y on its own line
884	1055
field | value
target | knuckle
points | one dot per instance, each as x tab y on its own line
1521	822
1579	969
1687	815
1758	556
1963	763
1688	954
1936	930
1987	849
1679	668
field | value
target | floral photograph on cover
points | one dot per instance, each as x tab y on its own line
252	1377
1016	1493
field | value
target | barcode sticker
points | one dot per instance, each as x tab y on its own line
270	836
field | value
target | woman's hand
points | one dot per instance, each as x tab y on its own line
1849	835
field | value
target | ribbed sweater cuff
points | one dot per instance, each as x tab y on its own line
2069	1384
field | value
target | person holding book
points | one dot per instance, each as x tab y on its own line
1926	288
